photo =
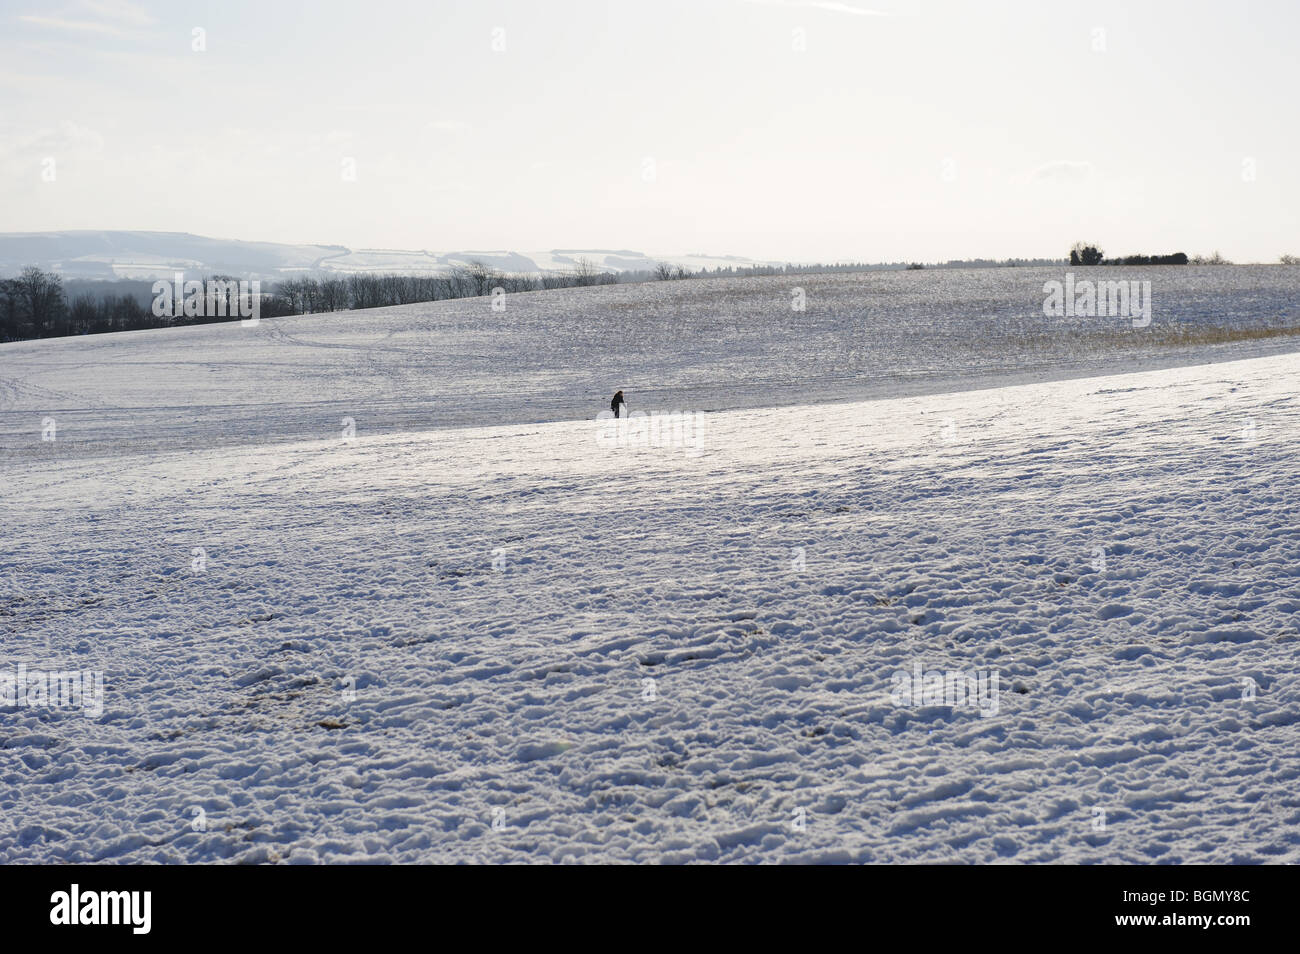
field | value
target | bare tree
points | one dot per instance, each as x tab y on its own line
333	294
481	278
40	295
11	311
586	272
221	296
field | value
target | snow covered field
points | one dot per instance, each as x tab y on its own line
709	344
514	642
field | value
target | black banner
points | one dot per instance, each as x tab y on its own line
226	903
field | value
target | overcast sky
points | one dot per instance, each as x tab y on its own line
775	129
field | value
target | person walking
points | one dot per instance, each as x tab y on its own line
618	402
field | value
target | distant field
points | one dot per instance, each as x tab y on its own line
707	344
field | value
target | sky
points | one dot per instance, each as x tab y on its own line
793	130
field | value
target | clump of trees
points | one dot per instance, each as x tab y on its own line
665	273
1087	254
36	305
32	305
1289	260
1084	254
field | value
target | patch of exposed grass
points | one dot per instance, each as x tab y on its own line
1176	336
1180	335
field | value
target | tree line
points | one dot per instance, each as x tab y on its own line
1084	253
35	304
308	294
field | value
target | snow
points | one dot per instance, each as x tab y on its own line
453	641
556	355
149	255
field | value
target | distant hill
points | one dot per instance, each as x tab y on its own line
149	255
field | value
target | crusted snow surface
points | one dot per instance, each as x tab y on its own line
520	643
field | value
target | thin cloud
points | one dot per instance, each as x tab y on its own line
82	26
120	10
1062	170
117	18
